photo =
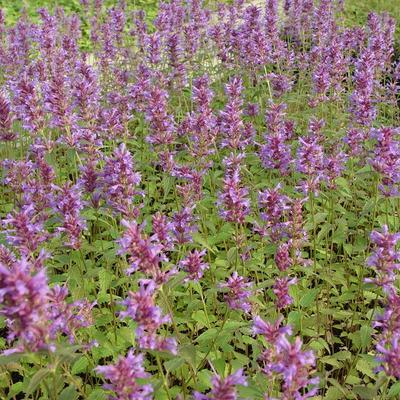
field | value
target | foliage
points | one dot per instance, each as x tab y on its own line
200	202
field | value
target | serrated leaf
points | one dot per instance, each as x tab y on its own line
309	297
80	365
174	364
189	354
333	393
365	392
365	336
97	394
105	280
208	334
364	367
69	393
200	317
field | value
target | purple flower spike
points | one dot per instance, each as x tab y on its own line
145	253
119	181
271	332
281	290
238	292
123	378
194	265
141	308
6	120
24	302
384	258
223	389
233	201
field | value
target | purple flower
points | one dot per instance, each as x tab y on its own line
355	139
385	159
361	100
24	231
67	318
276	154
252	109
69	205
389	355
144	253
312	182
238	292
57	101
6	120
282	257
162	125
233	201
123	378
24	303
389	321
86	92
232	128
162	230
294	366
141	308
118	181
271	332
89	179
27	105
178	74
273	206
334	164
194	265
384	258
286	360
281	290
280	84
184	225
309	156
7	257
223	389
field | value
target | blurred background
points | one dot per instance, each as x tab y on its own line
356	11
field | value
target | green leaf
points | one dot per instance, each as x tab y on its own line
15	389
105	280
200	317
37	379
365	336
80	365
69	393
4	360
174	364
394	390
309	297
97	394
331	361
365	368
203	241
333	393
207	335
188	353
365	392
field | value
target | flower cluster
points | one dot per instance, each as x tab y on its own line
286	360
141	308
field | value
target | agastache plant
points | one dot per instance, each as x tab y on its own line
140	306
123	376
168	176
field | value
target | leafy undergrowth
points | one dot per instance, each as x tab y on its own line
199	204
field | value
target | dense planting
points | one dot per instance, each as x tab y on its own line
203	205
